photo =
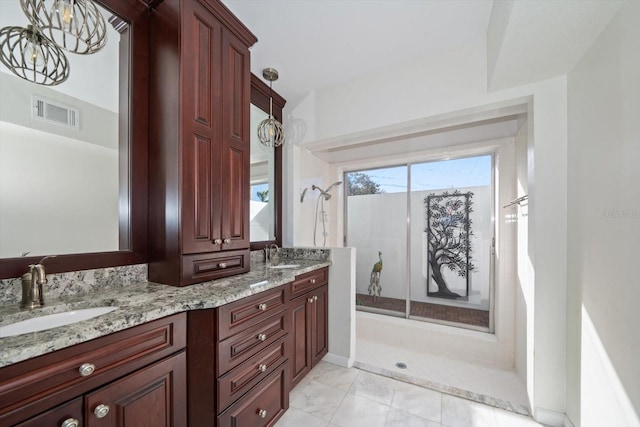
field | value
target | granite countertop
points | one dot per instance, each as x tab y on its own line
138	302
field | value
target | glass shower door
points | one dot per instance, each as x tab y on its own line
376	206
451	240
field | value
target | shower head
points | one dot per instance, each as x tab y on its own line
326	193
335	184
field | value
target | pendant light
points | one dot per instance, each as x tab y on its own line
33	57
76	26
270	131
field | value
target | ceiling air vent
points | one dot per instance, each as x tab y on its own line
55	112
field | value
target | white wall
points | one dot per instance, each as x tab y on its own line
453	82
524	277
603	344
342	307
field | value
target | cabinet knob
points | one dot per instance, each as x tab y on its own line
222	265
70	422
262	368
315	298
217	241
262	413
262	307
101	411
310	300
262	337
226	241
312	281
86	369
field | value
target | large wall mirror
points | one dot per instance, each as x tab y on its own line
73	157
265	218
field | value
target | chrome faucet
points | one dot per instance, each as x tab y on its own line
268	254
32	281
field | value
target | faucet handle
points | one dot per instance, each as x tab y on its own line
47	257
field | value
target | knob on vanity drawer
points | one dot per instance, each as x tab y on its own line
70	422
86	369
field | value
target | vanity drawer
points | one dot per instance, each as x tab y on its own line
263	405
241	378
57	416
240	347
202	267
51	379
242	314
306	282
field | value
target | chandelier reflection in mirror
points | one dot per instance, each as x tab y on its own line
270	130
34	53
75	25
33	57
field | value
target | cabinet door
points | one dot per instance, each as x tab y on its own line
300	338
236	97
155	396
58	416
319	324
201	133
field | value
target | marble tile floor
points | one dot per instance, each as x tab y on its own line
334	396
483	383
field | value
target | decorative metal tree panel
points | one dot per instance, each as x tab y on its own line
449	234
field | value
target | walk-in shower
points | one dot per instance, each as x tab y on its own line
322	197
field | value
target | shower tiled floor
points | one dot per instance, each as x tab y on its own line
484	383
467	316
331	395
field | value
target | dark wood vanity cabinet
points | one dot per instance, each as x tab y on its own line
238	361
136	377
309	318
199	144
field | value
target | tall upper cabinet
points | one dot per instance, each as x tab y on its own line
199	142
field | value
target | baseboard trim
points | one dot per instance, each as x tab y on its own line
549	418
338	360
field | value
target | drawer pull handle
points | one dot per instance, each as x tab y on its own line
262	337
86	369
70	422
262	368
217	241
222	265
262	307
101	411
262	413
310	300
226	241
312	281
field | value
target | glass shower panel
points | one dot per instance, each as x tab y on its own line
451	240
376	205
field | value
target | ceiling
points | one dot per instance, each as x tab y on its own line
320	43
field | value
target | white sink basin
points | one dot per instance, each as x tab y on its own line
285	266
52	321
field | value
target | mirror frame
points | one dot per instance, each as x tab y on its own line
260	98
133	156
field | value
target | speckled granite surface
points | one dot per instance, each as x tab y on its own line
139	301
67	284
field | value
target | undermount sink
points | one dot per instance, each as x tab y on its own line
51	321
285	266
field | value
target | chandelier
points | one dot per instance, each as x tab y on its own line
32	57
34	53
77	26
270	130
